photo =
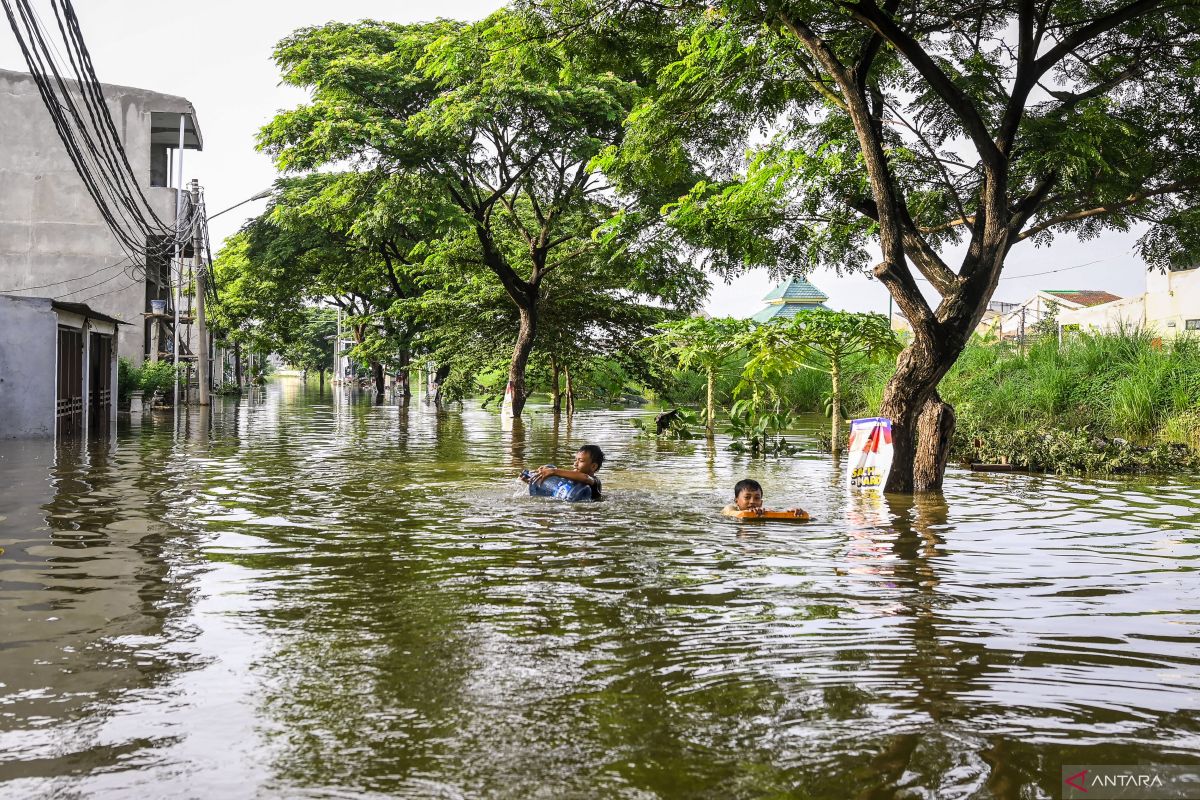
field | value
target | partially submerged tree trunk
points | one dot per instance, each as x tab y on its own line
710	404
377	374
321	385
237	364
555	387
570	391
439	377
921	441
405	363
520	356
835	426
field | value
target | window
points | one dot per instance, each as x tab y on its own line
1192	324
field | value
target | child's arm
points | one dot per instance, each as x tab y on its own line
541	473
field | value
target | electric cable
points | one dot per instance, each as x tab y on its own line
122	263
89	135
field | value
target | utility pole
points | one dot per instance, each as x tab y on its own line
202	365
1022	334
177	291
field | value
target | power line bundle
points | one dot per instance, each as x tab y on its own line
85	126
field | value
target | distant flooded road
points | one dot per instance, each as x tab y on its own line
303	596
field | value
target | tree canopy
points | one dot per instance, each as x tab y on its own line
501	125
805	134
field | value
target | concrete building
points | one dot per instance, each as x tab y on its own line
1169	307
53	241
58	368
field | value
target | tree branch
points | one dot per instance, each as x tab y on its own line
872	16
1091	31
1108	208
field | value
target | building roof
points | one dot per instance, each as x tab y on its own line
84	310
1083	297
165	109
784	311
796	290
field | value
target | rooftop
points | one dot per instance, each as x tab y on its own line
796	290
784	311
165	109
1083	297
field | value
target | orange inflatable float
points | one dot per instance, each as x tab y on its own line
789	516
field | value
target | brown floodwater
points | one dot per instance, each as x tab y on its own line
310	595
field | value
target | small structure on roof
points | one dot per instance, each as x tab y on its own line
790	298
58	368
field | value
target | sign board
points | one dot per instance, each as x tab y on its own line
870	453
506	408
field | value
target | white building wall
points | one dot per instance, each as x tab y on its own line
1170	301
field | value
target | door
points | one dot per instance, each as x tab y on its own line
100	378
69	410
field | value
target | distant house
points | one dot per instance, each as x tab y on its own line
1169	307
790	298
1046	303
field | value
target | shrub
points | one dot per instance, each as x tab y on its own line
150	377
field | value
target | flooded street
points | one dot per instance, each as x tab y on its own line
323	597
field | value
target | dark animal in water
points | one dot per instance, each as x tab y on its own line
664	420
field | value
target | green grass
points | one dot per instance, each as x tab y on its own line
1127	385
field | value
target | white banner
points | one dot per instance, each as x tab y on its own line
870	453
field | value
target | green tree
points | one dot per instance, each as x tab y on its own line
821	340
356	240
921	130
501	123
706	344
310	345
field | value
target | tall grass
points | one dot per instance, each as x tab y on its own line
1128	385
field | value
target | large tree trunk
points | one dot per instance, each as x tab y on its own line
520	357
405	362
321	386
920	437
237	363
377	373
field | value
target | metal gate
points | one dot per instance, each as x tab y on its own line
99	382
69	410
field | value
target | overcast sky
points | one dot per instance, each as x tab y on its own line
218	55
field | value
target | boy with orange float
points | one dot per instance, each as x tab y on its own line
747	504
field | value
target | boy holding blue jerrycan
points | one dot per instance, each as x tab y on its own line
574	485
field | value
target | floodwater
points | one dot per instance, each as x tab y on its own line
323	597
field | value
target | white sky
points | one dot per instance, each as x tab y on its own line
218	55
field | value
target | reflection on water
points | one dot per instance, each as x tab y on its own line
312	595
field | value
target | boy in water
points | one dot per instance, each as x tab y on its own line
748	496
588	460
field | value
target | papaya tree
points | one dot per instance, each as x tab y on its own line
701	343
922	142
821	340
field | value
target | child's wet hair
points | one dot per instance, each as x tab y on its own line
745	484
594	453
